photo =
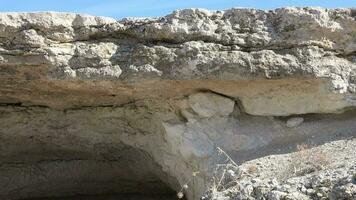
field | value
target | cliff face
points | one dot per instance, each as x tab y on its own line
90	105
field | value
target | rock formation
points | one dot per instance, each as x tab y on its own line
94	106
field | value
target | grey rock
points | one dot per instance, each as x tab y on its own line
295	121
314	70
276	195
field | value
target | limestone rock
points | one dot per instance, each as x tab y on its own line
208	104
307	53
294	121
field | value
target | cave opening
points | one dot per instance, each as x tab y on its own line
128	174
168	196
49	154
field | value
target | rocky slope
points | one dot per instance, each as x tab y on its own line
94	106
324	172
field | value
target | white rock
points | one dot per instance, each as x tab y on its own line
108	71
209	104
276	195
294	122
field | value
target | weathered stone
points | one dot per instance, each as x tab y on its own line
276	195
208	104
295	121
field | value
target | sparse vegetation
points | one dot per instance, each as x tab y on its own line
185	186
258	179
226	177
304	161
252	169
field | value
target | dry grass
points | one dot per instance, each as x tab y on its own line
304	161
252	169
186	185
226	177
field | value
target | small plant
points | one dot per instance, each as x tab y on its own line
225	182
252	169
305	161
302	147
185	186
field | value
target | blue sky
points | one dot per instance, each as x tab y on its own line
144	8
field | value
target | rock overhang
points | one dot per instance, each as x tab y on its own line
187	45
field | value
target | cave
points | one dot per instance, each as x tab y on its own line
47	155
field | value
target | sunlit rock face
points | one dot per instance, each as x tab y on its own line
93	106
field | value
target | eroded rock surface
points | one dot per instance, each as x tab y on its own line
93	106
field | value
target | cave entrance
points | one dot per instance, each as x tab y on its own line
170	196
51	154
125	173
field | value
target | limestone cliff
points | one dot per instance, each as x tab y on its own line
91	105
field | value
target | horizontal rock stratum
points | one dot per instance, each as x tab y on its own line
94	106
